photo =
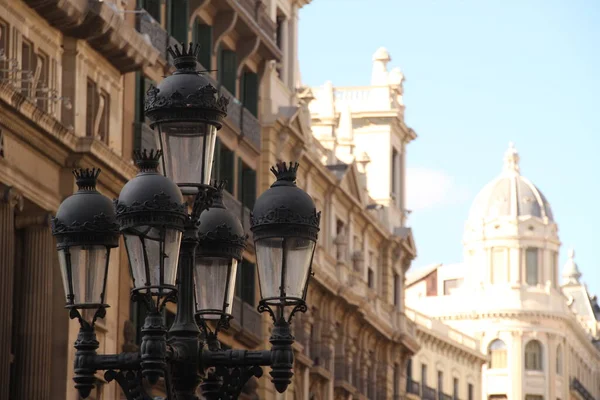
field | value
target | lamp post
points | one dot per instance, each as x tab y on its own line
185	256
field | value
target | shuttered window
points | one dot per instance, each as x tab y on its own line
245	287
246	184
249	95
531	266
226	167
152	7
227	69
202	35
178	20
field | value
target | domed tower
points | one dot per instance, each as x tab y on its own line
510	237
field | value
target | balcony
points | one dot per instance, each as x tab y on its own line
580	389
413	387
242	119
428	393
444	396
254	15
247	322
102	26
242	212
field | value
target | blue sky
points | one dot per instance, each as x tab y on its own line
479	74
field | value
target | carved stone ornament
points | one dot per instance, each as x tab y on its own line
13	197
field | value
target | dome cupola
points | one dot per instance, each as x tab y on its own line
510	195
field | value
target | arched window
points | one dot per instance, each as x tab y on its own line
559	360
533	356
497	353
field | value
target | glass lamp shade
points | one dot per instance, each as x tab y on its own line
153	255
283	268
214	279
188	149
84	271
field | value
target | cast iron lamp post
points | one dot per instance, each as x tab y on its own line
185	256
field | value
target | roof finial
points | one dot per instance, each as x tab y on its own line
511	159
571	272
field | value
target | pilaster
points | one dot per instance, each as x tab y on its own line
33	355
10	201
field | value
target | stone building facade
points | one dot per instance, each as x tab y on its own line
72	80
448	364
541	336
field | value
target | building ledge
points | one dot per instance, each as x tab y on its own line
103	27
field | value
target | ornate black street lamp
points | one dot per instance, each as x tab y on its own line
186	256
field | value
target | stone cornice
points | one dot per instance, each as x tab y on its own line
447	345
527	315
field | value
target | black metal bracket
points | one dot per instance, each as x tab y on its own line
130	382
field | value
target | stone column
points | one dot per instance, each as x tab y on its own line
33	324
9	201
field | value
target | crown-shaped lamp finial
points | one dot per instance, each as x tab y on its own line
86	178
147	161
184	55
285	172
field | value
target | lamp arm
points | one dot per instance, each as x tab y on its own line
232	369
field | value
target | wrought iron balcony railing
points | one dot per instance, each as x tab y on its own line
413	387
428	393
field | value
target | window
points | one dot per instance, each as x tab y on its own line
27	66
249	95
227	70
559	360
245	285
408	369
440	382
451	284
394	177
153	8
424	374
497	354
554	266
178	20
104	115
223	165
370	271
499	269
397	286
455	389
246	184
533	356
43	81
91	108
203	36
1	145
470	392
4	64
279	32
531	266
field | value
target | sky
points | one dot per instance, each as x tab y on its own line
479	74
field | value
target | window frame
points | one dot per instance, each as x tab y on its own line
501	354
533	360
530	264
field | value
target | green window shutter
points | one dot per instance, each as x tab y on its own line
248	183
227	69
240	179
250	92
178	20
203	36
214	175
152	7
245	285
226	170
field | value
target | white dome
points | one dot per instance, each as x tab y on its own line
510	195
